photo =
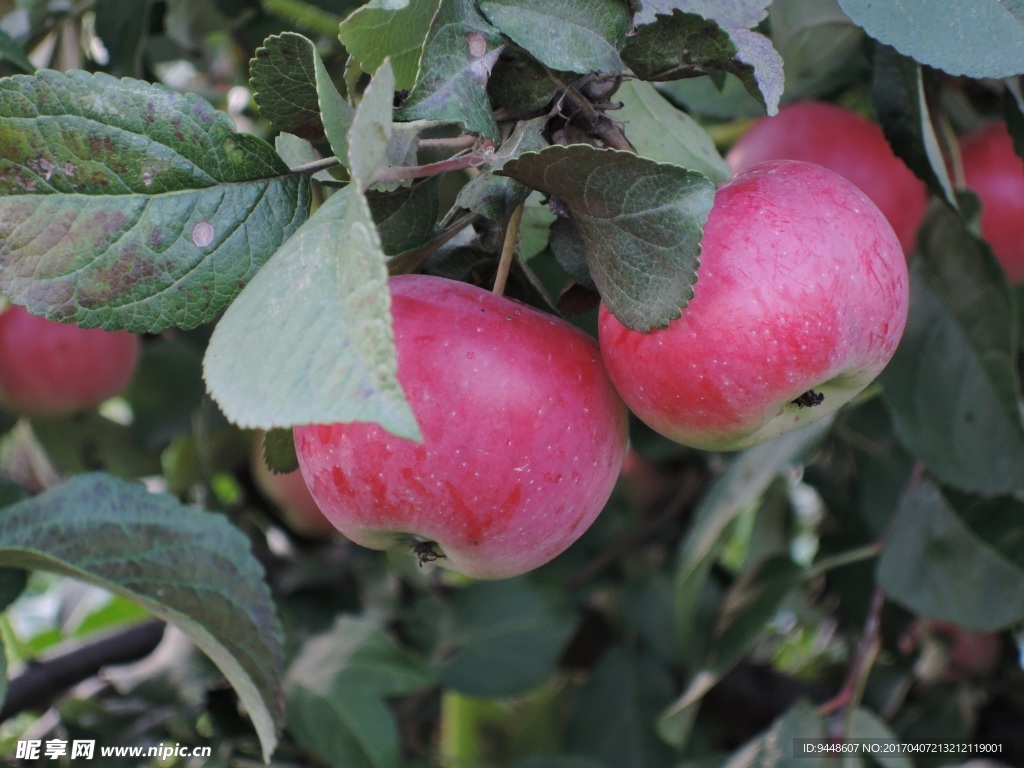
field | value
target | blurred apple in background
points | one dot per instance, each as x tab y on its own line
290	495
50	369
994	171
845	142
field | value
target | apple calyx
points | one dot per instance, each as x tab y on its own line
809	399
425	550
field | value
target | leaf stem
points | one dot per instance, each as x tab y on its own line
481	155
317	165
452	144
849	557
508	249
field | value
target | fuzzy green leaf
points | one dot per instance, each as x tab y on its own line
686	44
640	222
945	550
898	91
309	341
126	205
662	133
952	385
458	56
389	29
977	38
568	35
189	567
282	76
336	689
728	13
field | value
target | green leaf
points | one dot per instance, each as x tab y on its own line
371	128
279	451
309	341
732	13
662	133
165	392
684	45
613	721
282	76
508	635
977	38
191	568
126	205
335	690
580	36
123	26
570	252
957	558
749	604
459	53
336	113
491	194
305	15
866	725
952	386
739	487
89	441
405	217
522	84
640	222
898	91
394	29
775	747
12	52
820	45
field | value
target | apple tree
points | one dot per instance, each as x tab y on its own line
231	188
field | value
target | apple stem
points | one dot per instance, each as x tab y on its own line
508	249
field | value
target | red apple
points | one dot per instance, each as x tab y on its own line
800	301
523	437
994	171
48	368
847	143
289	493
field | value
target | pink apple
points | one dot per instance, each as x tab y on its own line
994	171
800	301
523	437
847	143
49	368
289	493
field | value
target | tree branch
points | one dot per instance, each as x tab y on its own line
42	681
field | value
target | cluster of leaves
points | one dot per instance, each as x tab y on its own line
258	273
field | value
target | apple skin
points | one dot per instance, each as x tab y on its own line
847	143
290	495
994	171
523	437
802	287
49	368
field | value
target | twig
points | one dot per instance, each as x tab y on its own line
508	249
846	701
42	681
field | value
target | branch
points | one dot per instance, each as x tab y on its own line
42	681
